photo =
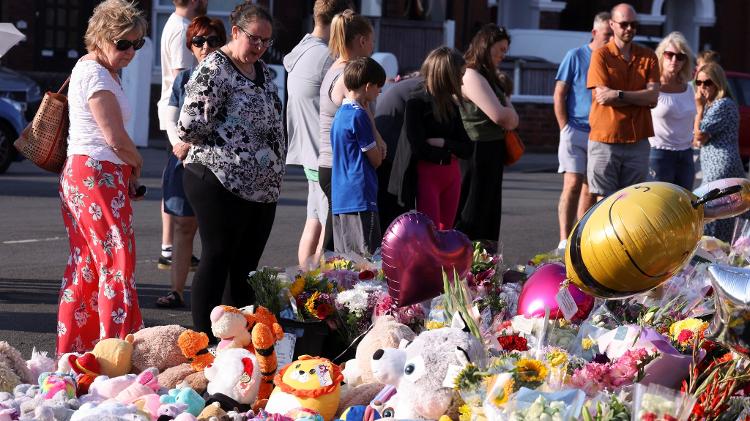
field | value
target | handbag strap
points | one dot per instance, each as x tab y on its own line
64	85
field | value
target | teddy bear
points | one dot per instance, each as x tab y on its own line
115	356
105	387
108	410
157	347
39	363
194	347
309	382
13	369
431	362
233	379
212	411
386	333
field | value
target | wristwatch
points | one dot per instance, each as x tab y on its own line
620	95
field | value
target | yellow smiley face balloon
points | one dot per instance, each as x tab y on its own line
634	240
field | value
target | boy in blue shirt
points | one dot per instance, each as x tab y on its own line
356	155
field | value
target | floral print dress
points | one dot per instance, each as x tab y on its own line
720	156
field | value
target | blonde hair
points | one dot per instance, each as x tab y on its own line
111	20
442	80
345	27
715	72
678	40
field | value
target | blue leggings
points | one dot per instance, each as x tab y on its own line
674	167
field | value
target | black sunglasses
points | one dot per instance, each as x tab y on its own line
124	44
679	56
625	24
705	82
212	40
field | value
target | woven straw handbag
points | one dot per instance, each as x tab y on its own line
45	140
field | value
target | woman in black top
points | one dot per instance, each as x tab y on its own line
435	135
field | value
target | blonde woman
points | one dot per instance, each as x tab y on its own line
436	135
98	298
715	133
351	37
671	155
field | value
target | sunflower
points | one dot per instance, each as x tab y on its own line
298	286
531	371
501	398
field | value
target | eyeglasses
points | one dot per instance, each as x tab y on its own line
669	55
705	82
213	41
625	25
258	41
125	44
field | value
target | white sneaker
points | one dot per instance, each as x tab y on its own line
562	244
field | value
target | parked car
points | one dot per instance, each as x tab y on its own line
739	83
19	99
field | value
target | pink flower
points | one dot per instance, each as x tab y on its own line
588	378
685	336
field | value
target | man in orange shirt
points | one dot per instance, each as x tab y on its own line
624	77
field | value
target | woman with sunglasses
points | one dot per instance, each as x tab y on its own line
203	36
715	133
98	298
233	171
671	154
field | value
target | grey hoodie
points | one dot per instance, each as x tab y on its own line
306	64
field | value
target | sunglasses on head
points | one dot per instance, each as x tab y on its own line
212	40
125	44
626	24
704	82
669	55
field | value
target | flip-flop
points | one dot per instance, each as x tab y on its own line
171	300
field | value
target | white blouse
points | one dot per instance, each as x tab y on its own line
673	119
84	135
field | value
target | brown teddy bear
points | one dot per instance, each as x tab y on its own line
157	347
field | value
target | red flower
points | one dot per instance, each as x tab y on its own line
365	275
513	343
649	416
685	336
668	417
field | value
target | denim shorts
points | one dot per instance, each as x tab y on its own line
175	201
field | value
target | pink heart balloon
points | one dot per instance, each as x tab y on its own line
415	253
540	291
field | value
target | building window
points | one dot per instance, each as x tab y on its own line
61	33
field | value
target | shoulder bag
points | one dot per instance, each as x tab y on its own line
45	140
514	147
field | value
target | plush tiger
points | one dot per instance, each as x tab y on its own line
265	331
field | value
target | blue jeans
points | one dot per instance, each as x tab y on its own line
674	167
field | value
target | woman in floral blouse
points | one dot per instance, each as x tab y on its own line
232	119
715	133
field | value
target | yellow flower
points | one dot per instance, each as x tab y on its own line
297	287
464	413
502	397
432	325
691	324
310	303
529	370
587	343
557	358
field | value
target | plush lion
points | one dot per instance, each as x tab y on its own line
310	383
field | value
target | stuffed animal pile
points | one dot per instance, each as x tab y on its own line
169	372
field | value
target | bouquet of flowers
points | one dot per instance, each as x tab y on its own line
597	376
657	403
412	315
357	305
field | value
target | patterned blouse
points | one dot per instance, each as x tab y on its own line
720	156
235	127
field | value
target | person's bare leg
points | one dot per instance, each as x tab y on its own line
566	208
166	227
586	200
185	228
310	242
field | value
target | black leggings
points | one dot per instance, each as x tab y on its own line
233	234
481	200
324	178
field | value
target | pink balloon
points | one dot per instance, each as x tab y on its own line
541	289
727	206
415	253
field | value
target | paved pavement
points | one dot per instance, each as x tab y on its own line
34	247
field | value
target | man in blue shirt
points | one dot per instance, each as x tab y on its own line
572	102
356	155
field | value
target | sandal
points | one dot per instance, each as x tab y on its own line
171	300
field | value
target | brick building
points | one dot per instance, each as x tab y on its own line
408	29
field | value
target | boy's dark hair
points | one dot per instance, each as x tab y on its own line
361	71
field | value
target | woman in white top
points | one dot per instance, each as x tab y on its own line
671	156
98	298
